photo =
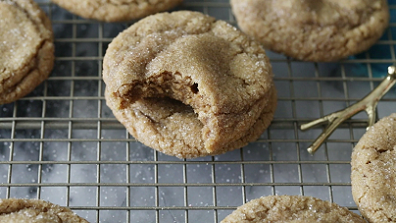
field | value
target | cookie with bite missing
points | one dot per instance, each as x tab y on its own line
374	171
293	209
313	30
26	46
188	85
35	211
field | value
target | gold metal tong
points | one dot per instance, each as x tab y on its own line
368	103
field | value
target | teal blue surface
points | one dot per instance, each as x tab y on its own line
379	51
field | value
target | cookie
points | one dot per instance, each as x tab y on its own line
188	85
291	209
313	30
373	171
26	46
35	211
116	10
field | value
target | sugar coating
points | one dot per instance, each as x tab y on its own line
313	30
116	10
35	211
295	209
374	172
26	46
188	85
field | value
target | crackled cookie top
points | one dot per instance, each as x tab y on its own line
26	48
116	10
374	172
35	211
313	30
293	209
222	76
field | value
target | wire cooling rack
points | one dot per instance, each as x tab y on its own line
61	143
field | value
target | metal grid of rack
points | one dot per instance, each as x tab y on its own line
61	143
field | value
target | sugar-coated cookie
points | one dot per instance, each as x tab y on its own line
116	10
26	46
374	172
188	85
313	30
35	211
293	209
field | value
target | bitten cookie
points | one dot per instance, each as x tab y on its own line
188	85
35	211
116	10
374	172
26	46
291	209
313	30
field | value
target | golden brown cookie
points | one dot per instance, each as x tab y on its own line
313	30
296	209
35	211
26	46
374	172
188	85
116	10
